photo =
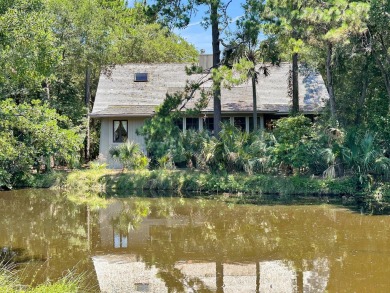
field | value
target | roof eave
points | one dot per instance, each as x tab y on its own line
97	115
144	115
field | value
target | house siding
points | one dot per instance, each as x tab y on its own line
107	137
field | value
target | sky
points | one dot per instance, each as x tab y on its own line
200	37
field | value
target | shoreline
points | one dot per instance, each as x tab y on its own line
106	181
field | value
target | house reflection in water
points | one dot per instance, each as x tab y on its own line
123	268
125	273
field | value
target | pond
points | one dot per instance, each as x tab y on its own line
169	244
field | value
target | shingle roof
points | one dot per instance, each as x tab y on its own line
118	94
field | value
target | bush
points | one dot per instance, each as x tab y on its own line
295	145
31	135
129	155
11	284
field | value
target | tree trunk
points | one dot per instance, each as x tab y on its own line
216	64
219	276
295	86
386	78
329	77
254	94
383	62
47	89
363	93
87	102
300	287
257	277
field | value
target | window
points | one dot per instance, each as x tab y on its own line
120	130
270	119
208	124
240	123
141	77
179	123
192	123
251	123
225	119
142	287
120	239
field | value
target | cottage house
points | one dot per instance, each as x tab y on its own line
130	94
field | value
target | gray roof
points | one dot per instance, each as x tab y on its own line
118	94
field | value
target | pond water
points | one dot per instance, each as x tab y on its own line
195	245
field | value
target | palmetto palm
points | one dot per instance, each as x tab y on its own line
128	154
248	46
252	51
363	158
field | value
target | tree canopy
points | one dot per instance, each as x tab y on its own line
52	53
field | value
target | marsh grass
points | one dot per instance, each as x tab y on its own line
92	185
70	283
88	180
182	181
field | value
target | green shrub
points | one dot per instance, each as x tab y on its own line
363	157
299	146
31	134
129	155
96	165
11	284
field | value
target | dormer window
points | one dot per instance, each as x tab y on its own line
141	77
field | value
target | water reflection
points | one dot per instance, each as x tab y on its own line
268	276
178	245
199	246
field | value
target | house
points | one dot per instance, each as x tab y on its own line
130	94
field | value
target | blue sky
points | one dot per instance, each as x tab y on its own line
200	37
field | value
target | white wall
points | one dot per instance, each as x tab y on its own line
107	137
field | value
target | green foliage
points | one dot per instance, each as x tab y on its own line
97	165
162	135
51	179
86	181
230	150
31	135
298	145
159	131
69	284
28	51
364	158
189	181
93	34
166	162
129	155
46	47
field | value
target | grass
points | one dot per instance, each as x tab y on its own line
84	185
182	181
10	283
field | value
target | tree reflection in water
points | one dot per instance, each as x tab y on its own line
177	245
47	232
177	237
